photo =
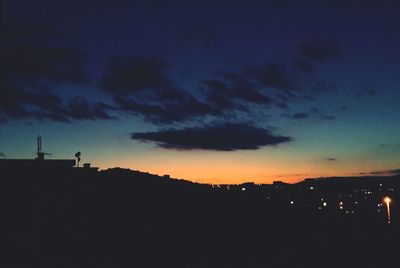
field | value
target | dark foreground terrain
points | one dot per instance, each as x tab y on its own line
120	218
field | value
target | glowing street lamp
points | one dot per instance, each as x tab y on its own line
387	200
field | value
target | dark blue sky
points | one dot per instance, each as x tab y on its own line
277	89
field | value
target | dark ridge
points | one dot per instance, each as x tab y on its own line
125	218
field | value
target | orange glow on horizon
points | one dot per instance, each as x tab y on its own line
261	167
225	172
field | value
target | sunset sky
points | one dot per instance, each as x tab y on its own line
211	91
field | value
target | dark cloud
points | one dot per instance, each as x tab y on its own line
386	146
276	84
29	68
395	171
303	66
35	64
326	86
282	105
328	117
198	36
2	154
136	75
330	159
80	109
235	89
300	116
383	172
274	75
367	92
180	110
312	113
140	85
317	113
320	51
222	137
23	104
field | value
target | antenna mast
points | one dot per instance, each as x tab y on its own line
39	153
39	145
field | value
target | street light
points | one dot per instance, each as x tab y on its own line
387	200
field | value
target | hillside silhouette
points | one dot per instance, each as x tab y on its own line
124	218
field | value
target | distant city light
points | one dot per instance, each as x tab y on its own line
324	204
291	202
243	189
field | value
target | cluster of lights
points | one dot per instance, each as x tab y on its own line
386	200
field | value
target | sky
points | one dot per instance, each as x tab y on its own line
210	91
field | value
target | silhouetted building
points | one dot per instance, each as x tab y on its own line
35	164
40	164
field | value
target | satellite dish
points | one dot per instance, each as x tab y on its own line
78	157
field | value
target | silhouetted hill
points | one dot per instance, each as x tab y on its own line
125	218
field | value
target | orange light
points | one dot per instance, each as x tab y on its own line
387	200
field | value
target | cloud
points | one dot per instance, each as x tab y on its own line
140	85
181	109
388	146
328	117
300	116
320	51
312	113
303	66
198	36
80	109
367	92
234	90
136	75
395	171
31	65
330	159
2	154
24	104
274	75
217	137
326	86
275	83
29	68
389	172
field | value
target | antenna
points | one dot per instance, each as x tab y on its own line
39	153
39	145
